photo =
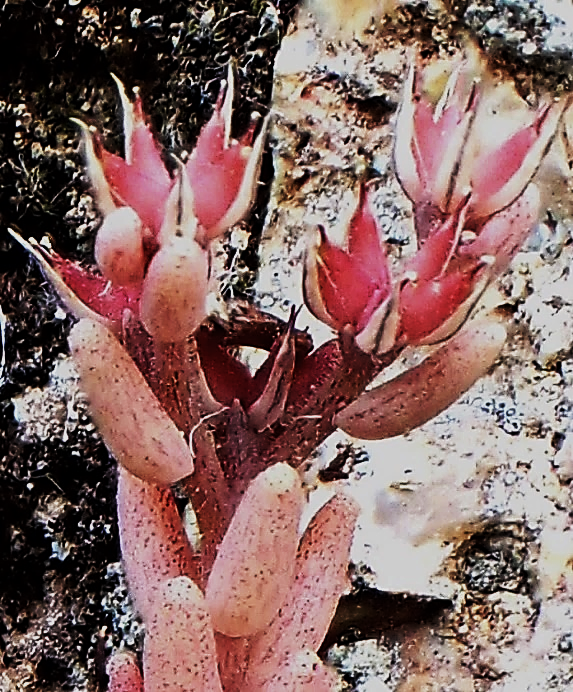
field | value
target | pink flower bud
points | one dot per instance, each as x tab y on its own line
119	248
349	286
442	154
140	180
473	202
175	290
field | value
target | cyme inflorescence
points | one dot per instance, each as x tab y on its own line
249	604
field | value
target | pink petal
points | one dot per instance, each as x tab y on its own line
224	173
406	163
433	257
425	305
147	154
216	175
504	234
364	243
494	168
345	288
433	137
94	290
500	176
144	189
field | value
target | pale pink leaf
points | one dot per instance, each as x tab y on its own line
255	563
154	546
321	578
132	422
123	673
421	393
179	653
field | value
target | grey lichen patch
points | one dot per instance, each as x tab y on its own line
126	629
496	559
45	412
367	666
537	32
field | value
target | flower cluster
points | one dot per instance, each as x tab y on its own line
474	205
152	249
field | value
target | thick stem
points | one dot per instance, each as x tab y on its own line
309	425
179	384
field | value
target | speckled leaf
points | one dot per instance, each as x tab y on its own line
154	546
320	579
179	653
131	420
124	674
255	564
419	394
304	672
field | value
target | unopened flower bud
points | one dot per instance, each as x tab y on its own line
175	290
119	248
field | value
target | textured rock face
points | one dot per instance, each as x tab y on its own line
476	504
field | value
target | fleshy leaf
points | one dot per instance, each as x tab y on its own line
255	563
154	546
133	423
179	653
421	393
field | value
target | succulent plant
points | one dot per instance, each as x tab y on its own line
247	605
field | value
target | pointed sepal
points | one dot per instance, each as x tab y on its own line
270	405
